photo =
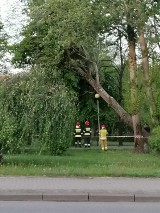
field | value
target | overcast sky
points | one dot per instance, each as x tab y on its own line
13	18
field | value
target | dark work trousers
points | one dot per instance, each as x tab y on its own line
78	141
87	141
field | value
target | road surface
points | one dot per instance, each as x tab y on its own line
78	207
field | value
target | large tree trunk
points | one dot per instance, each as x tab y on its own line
86	69
124	116
120	86
138	140
106	97
147	80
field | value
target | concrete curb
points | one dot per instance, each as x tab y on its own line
78	197
20	196
104	197
67	196
147	198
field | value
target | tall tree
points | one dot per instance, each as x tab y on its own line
60	29
142	9
134	94
69	32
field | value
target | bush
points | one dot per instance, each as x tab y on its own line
36	107
154	139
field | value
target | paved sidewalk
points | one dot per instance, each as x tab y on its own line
98	189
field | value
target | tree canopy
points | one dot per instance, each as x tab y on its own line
84	46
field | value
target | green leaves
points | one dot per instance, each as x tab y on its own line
154	139
34	109
54	26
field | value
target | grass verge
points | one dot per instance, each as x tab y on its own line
83	163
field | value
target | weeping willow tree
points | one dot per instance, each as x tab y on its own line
36	109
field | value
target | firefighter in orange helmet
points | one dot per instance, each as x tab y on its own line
78	134
87	135
103	137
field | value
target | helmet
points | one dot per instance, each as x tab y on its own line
87	123
77	124
103	126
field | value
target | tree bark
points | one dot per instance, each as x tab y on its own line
145	64
120	75
137	128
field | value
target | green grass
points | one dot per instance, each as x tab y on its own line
83	162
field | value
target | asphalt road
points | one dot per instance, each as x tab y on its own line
78	207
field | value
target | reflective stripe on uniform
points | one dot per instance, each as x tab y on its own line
87	133
103	137
78	133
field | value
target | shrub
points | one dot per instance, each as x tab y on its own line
154	139
36	107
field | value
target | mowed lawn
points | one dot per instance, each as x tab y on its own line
83	163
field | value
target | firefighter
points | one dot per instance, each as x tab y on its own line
78	134
103	137
87	135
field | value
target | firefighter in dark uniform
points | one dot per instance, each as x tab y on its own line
87	135
78	135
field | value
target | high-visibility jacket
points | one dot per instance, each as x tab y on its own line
78	132
87	131
103	134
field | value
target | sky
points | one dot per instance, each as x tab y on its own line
14	19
